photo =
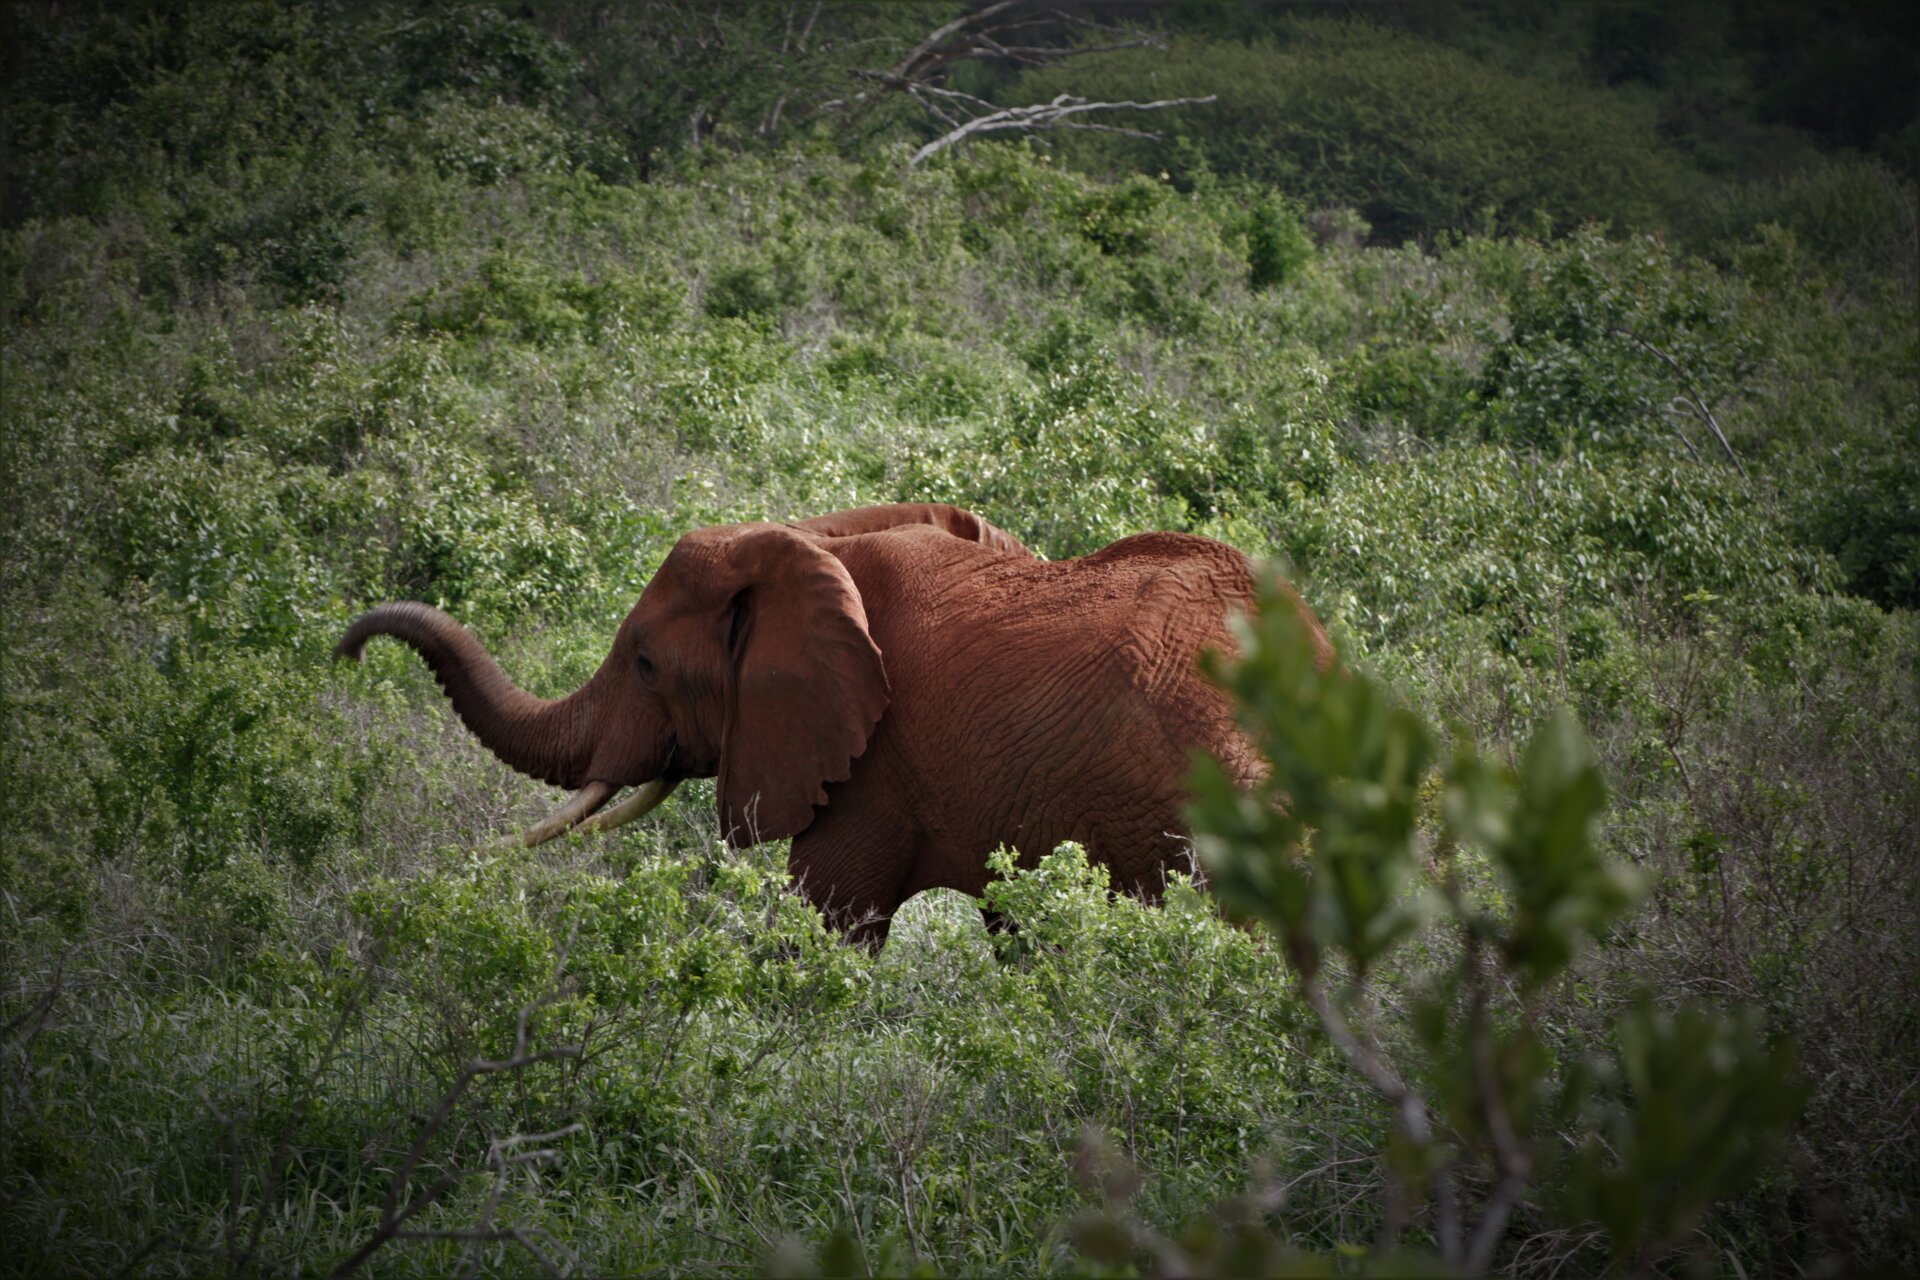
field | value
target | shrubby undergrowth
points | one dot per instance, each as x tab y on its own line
426	338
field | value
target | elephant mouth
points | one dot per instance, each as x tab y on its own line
582	812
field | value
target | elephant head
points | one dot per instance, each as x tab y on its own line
747	658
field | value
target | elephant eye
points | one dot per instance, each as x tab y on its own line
646	666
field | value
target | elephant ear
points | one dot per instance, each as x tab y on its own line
805	687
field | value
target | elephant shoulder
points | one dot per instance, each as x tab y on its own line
1176	592
1190	585
900	516
1175	557
918	577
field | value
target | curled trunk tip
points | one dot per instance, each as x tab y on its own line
549	739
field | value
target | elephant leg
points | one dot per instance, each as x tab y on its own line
855	867
863	915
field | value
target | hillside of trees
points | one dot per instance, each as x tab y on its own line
1566	361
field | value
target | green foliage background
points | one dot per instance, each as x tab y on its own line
307	308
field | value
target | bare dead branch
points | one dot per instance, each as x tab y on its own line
1691	397
1084	126
502	1153
1044	116
806	32
1035	55
922	89
906	66
946	118
401	1206
1014	31
771	121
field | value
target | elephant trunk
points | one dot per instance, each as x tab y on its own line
549	739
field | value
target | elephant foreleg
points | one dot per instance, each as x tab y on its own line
855	869
863	911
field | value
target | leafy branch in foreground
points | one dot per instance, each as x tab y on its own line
1330	854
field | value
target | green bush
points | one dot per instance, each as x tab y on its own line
1079	466
1868	517
1326	854
1429	541
1278	243
1614	343
1420	138
1845	210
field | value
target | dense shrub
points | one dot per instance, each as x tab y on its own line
1331	866
1416	136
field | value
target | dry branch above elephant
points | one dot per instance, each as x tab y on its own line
900	689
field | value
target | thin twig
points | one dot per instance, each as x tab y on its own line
396	1213
1691	397
1510	1155
1360	1049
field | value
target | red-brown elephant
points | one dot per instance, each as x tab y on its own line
900	689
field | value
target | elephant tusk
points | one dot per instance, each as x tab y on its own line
579	805
642	802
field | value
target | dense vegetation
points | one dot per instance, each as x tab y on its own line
307	308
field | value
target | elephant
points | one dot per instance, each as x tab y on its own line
900	689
